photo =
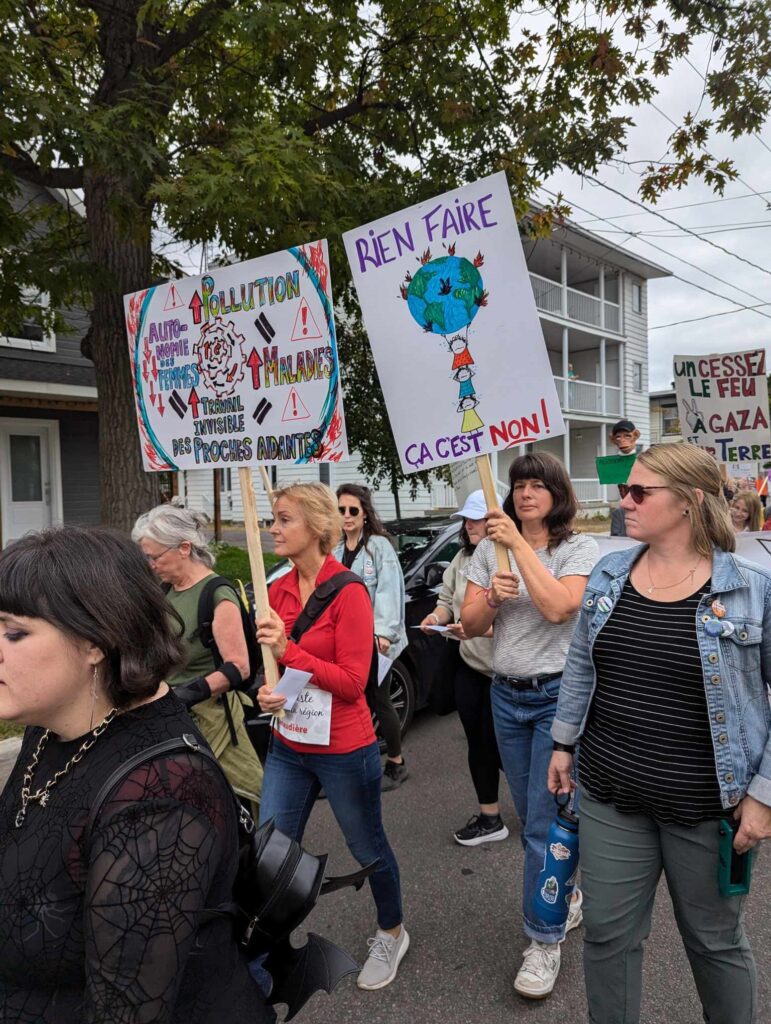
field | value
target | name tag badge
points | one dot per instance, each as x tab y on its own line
310	719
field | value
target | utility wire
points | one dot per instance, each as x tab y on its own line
684	206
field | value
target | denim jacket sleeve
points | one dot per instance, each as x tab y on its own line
388	600
577	684
760	784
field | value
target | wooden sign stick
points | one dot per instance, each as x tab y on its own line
485	470
266	483
257	566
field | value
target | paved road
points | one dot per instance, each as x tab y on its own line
461	908
462	914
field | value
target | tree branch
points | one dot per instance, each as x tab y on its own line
24	167
193	30
329	118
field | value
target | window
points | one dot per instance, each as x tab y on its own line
637	376
324	475
32	336
636	298
670	421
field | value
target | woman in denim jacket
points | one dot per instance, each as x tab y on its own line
666	686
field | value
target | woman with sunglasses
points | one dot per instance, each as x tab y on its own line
532	609
175	545
366	549
666	687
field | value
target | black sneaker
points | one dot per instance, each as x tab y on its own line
394	775
482	828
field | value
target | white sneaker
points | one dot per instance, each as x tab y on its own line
575	914
539	970
385	955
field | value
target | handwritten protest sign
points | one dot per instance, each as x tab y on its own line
451	318
723	404
239	366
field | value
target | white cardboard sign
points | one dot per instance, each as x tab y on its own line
723	404
449	310
239	366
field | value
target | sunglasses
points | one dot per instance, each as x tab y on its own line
637	492
348	511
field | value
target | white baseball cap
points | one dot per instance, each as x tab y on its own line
475	506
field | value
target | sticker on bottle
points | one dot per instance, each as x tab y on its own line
550	890
559	851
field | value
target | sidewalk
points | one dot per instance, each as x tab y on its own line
235	534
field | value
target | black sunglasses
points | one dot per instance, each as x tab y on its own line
637	492
348	511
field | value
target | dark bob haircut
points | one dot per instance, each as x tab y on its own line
95	585
551	472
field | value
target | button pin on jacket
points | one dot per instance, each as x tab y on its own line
604	604
714	627
718	609
728	628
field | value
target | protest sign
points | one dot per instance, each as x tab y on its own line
449	310
723	404
239	367
614	469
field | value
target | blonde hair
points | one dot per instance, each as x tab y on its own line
687	468
318	506
171	525
753	508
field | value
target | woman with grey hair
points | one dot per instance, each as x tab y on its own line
175	544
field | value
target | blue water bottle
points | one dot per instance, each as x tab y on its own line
557	880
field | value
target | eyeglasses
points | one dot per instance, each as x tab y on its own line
154	558
637	492
353	512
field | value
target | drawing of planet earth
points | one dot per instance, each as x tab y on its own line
444	295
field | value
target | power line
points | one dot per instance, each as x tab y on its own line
678	277
684	206
709	316
668	220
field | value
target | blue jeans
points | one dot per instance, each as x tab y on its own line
351	783
523	728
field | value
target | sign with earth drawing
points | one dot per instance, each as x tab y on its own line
449	310
239	366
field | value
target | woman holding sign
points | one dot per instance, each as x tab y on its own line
532	610
327	740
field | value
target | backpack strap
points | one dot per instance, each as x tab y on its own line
204	631
321	598
185	743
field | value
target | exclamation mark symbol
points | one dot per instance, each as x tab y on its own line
294	396
304	315
545	415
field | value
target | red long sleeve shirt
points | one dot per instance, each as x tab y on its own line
337	649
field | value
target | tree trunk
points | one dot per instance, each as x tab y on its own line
395	492
123	257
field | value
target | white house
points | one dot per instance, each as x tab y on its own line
592	297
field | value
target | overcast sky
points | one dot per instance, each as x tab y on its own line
671	300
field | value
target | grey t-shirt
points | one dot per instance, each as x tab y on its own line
524	643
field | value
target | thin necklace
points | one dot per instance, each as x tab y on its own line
42	794
669	586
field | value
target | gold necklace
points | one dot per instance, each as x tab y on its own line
669	586
41	795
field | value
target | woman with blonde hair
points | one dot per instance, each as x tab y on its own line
666	687
327	739
746	512
174	543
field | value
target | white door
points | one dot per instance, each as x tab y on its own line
29	460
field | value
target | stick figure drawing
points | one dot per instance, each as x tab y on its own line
443	297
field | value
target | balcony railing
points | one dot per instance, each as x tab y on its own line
583	308
587	489
585	396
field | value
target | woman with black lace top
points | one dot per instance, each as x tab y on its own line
109	928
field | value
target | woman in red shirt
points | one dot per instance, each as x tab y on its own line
327	740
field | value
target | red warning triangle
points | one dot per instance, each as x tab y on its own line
173	301
294	408
305	327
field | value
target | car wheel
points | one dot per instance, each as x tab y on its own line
401	690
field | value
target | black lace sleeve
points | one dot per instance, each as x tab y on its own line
153	856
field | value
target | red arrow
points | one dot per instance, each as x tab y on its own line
155	369
254	363
147	350
152	393
160	404
144	372
193	401
233	372
196	303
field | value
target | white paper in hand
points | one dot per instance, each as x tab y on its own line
384	666
290	685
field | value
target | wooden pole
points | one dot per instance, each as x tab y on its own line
254	547
266	483
217	481
485	470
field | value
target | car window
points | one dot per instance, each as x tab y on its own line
448	551
409	546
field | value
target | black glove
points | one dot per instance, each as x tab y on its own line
193	692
